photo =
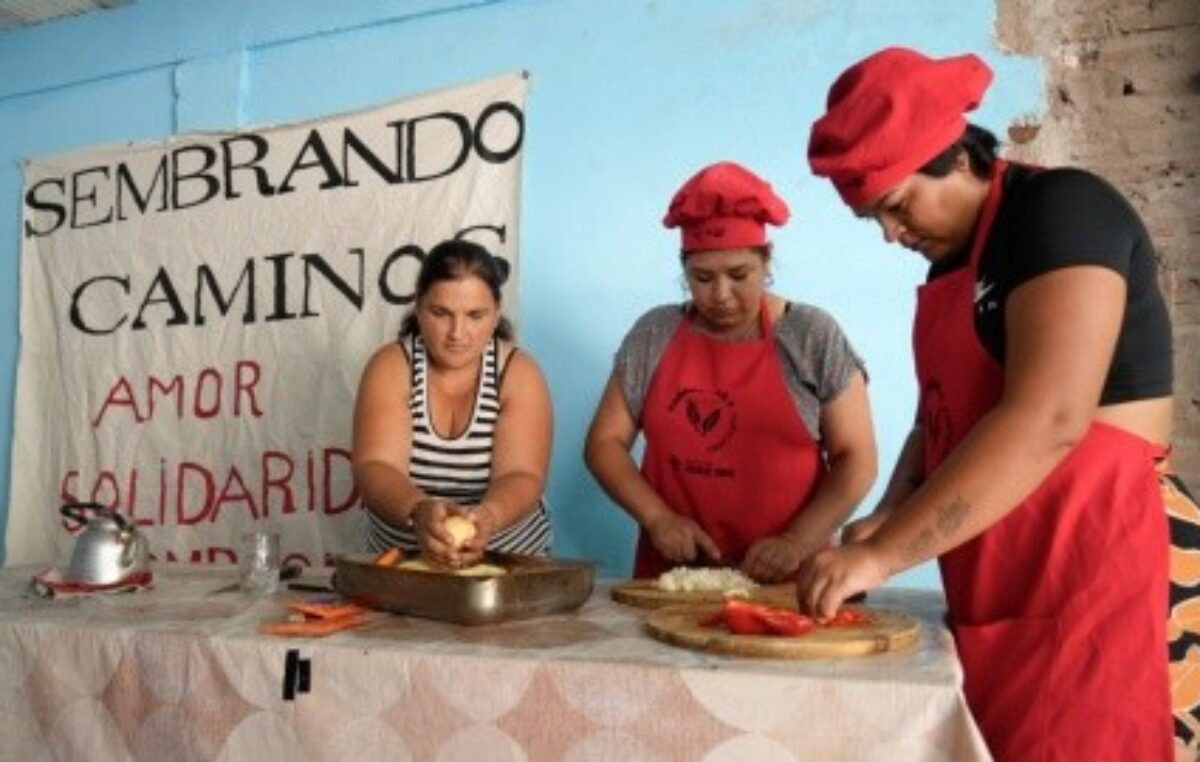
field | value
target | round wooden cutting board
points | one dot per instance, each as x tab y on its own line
644	594
888	631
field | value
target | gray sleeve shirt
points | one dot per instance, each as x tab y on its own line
817	358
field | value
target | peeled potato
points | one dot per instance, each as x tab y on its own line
481	570
476	570
462	530
420	565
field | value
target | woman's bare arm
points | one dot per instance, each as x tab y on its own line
607	453
1062	328
848	439
383	437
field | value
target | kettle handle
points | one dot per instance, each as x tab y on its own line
79	511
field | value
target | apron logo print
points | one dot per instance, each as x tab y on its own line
702	424
698	467
711	415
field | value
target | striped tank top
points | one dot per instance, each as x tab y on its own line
458	469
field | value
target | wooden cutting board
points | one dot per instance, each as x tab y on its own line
888	631
644	594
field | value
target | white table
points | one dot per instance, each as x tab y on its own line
179	672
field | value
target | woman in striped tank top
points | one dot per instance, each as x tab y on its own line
452	419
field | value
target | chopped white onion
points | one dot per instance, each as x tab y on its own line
686	579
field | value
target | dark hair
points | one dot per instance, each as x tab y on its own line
763	251
453	260
980	145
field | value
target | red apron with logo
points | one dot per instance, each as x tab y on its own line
725	445
1059	609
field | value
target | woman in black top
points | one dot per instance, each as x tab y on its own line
1043	352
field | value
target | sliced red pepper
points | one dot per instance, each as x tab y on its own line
716	620
784	622
744	618
847	618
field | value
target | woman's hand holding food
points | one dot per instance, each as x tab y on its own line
833	575
435	538
679	539
773	559
474	528
861	529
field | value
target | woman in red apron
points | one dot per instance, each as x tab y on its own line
758	440
1042	350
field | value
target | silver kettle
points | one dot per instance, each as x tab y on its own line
108	550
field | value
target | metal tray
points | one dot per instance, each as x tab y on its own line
534	586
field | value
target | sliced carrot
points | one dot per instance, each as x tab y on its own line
319	610
313	627
390	557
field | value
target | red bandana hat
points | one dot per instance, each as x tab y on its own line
725	206
889	114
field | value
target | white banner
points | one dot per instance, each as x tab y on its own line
195	315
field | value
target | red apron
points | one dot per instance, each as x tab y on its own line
1058	610
725	445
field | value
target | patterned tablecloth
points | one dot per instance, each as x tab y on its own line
179	672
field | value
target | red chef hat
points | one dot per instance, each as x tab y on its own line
889	114
725	206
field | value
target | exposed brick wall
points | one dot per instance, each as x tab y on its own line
1123	100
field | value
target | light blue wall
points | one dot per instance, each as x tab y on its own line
628	99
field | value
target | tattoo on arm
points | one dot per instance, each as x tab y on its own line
950	517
